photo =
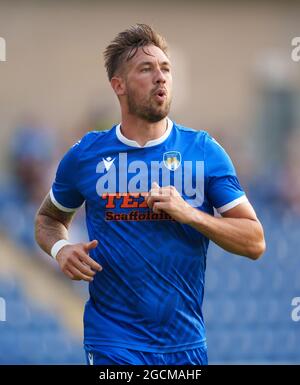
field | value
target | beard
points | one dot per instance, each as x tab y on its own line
147	108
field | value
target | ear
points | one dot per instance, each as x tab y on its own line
118	85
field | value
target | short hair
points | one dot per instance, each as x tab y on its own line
126	43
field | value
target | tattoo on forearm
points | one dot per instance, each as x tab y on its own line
51	224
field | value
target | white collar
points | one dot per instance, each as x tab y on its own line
150	143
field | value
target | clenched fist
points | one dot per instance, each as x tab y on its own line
169	200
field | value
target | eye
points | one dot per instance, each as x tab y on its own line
145	69
166	69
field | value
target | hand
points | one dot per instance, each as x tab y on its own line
76	263
169	200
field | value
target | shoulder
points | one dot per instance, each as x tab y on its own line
211	144
91	139
93	136
195	135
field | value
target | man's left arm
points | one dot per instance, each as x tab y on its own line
237	231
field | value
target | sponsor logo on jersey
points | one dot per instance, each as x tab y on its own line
136	205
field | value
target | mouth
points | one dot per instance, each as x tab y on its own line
160	95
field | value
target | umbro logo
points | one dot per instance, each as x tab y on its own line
108	162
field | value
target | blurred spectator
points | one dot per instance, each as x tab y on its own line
32	154
290	181
32	151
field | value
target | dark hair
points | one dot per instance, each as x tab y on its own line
126	43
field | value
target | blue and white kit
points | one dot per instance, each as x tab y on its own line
148	297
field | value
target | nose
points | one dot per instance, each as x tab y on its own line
159	77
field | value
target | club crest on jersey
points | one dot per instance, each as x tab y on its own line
172	160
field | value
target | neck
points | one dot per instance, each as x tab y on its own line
141	131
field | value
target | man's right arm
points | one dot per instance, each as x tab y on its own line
52	225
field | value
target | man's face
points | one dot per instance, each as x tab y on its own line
148	83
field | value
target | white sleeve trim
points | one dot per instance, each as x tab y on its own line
232	204
61	207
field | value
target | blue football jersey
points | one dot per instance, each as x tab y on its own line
149	294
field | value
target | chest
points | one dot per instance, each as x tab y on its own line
123	177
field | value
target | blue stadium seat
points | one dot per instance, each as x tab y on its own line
9	288
31	335
247	308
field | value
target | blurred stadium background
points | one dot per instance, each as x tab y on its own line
233	76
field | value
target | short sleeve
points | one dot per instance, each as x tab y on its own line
223	187
64	193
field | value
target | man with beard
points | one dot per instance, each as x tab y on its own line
150	187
